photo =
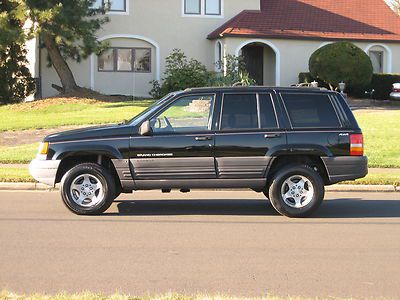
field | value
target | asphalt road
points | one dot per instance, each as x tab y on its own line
214	242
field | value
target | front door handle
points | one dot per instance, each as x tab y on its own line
203	138
272	135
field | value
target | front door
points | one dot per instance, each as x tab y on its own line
254	61
248	135
181	145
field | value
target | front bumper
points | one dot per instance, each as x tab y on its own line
343	168
44	171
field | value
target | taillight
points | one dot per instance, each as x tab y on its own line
356	145
396	90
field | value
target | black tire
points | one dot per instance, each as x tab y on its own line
94	171
278	183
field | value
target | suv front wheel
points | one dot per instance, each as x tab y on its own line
88	189
296	191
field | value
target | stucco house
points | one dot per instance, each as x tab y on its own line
276	37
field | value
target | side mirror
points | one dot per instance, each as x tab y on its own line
145	129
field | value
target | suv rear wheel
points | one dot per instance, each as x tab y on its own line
88	189
296	191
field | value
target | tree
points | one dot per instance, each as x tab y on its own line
16	82
342	61
67	30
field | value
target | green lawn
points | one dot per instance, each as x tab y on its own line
15	175
38	116
381	128
19	154
382	137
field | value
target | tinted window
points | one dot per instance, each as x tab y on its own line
310	110
267	113
239	112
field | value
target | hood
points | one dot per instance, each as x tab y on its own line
89	133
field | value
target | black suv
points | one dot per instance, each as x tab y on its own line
285	142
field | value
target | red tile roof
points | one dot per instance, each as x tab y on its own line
369	20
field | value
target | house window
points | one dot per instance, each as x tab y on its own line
377	60
218	56
125	60
192	7
111	5
212	7
202	7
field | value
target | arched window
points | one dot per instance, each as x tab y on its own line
219	56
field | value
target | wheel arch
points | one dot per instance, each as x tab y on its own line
314	161
72	158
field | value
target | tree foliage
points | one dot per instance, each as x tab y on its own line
342	61
16	82
68	31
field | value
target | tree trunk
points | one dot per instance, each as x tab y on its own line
60	65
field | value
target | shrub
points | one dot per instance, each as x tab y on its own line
383	85
342	61
180	73
235	72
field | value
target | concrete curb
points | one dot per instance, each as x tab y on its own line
32	186
24	186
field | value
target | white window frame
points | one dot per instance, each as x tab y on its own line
203	11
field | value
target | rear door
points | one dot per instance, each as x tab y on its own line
248	132
181	145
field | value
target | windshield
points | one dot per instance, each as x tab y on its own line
148	111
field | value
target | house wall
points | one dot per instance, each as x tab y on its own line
292	56
163	24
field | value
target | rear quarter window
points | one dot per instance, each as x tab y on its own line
310	110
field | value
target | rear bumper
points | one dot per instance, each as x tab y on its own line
44	171
345	168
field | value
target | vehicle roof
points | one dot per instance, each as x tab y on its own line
256	88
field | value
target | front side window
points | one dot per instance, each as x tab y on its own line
125	60
188	114
193	7
239	111
377	61
310	111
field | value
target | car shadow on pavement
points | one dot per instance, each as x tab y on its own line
246	207
359	208
335	208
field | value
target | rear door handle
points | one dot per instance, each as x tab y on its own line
203	138
272	135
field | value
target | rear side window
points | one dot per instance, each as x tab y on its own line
239	111
310	110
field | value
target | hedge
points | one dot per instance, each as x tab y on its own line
381	83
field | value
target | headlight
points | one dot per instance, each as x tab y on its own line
43	148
